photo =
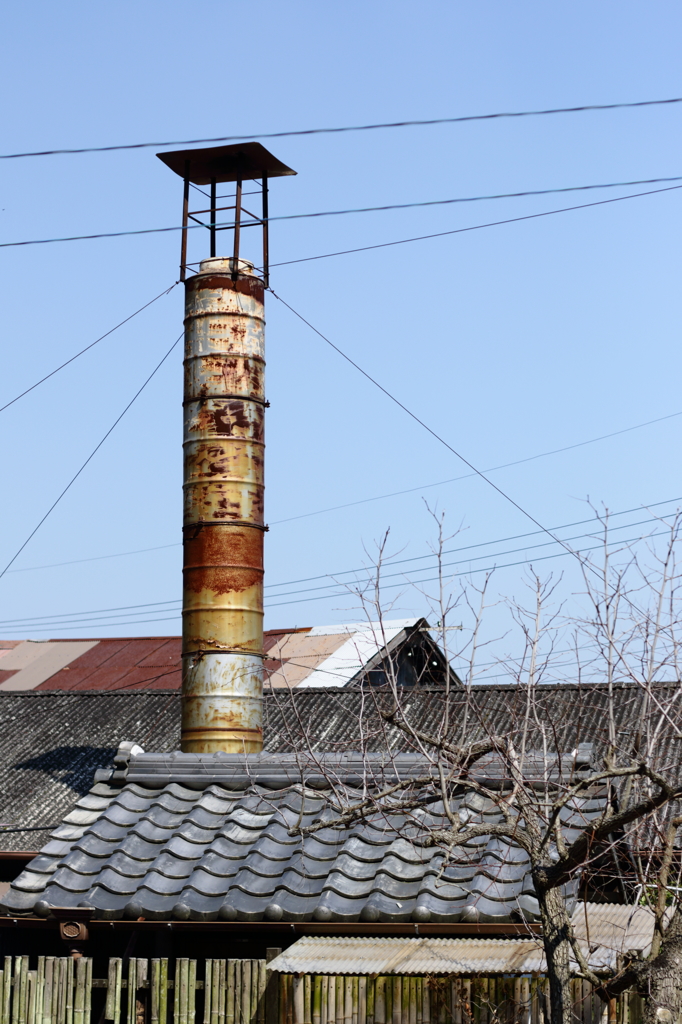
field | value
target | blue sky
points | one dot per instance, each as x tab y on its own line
509	341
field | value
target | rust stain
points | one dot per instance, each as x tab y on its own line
222	580
251	286
215	545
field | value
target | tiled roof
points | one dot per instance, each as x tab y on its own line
192	836
52	741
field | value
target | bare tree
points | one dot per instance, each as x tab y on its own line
570	815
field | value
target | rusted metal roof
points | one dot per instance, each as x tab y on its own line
323	656
350	955
131	663
33	662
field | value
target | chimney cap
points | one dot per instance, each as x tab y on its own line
225	163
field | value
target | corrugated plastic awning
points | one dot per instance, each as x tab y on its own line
313	955
605	932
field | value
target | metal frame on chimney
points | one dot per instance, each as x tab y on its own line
249	162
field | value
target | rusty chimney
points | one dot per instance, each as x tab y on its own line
224	406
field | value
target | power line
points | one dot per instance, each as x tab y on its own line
377	497
366	209
473	199
466	572
90	456
30	828
56	620
349	128
430	430
474	227
466	476
337	594
97	558
90	611
446	565
480	544
87	348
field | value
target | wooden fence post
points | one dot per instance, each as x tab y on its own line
271	987
112	1009
244	990
262	981
192	992
324	999
299	1015
231	997
132	991
23	990
331	1000
79	999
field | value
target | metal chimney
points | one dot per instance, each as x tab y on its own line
224	406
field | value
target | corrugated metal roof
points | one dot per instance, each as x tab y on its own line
363	641
612	929
320	656
31	662
121	664
350	955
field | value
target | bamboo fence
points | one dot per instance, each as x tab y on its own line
407	999
62	990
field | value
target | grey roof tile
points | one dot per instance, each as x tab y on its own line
150	832
249	882
497	890
31	880
56	848
300	885
137	847
93	846
108	903
19	901
174	867
294	906
345	886
397	888
105	829
247	906
200	906
67	832
74	881
45	864
131	867
162	884
109	880
193	834
208	884
150	904
63	897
